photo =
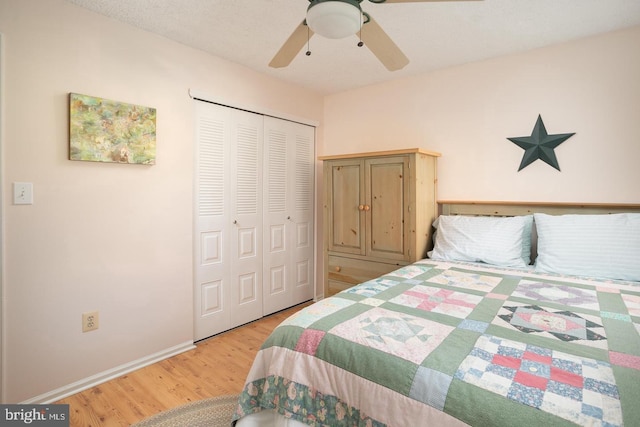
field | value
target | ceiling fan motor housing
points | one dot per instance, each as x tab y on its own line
334	19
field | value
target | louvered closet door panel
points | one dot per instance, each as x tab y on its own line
228	211
303	216
211	248
277	282
288	214
246	214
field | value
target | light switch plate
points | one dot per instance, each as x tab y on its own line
22	193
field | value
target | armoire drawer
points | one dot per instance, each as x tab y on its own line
350	271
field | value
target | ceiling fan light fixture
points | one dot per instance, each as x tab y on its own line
334	19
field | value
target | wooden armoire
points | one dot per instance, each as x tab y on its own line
378	211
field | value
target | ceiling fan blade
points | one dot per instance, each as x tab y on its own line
381	45
414	1
292	46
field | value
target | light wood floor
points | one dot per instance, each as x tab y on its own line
218	366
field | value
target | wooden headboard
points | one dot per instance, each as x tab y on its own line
457	207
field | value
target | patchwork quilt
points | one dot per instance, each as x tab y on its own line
490	347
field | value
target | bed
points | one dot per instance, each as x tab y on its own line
522	314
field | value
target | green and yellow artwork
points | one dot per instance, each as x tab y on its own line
101	130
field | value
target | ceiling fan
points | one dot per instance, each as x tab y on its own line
336	19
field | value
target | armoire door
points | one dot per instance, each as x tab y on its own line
288	269
387	192
228	219
346	208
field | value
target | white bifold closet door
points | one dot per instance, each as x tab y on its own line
253	237
228	237
288	272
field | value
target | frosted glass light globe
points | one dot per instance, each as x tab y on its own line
334	19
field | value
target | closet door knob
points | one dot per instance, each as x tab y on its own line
338	269
361	207
367	208
235	221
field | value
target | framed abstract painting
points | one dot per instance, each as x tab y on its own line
101	130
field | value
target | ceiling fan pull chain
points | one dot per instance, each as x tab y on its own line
360	43
365	19
308	52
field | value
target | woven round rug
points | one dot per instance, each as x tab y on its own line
213	412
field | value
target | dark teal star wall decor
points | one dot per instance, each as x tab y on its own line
540	145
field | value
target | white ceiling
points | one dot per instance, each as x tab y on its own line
433	35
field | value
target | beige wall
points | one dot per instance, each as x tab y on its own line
590	87
108	237
118	238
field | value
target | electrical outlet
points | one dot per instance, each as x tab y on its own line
89	321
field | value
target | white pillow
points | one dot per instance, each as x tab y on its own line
605	246
503	241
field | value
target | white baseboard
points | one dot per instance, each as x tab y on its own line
94	380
